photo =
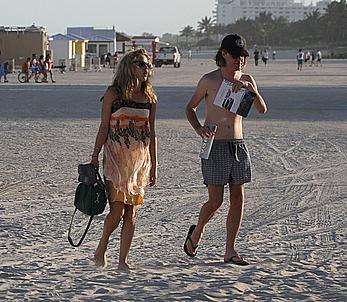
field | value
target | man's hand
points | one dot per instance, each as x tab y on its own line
204	132
237	85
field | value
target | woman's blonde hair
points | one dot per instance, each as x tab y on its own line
125	80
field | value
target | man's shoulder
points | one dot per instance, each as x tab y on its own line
211	76
246	77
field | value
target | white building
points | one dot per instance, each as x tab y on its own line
229	11
67	49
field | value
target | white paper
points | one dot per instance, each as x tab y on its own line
231	101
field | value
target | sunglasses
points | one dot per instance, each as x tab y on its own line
236	56
143	64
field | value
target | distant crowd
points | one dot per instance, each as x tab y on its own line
106	59
33	67
263	54
308	58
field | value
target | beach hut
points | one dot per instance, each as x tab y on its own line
68	50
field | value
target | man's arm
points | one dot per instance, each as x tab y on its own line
259	102
198	96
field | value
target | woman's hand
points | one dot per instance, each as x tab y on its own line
95	162
153	177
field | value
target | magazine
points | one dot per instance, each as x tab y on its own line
239	102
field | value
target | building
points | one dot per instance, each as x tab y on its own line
18	43
68	50
124	43
150	43
100	40
229	11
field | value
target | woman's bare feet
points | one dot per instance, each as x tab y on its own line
100	259
123	266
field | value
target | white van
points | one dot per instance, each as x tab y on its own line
168	55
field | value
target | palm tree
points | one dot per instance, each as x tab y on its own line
219	30
279	35
335	21
311	30
205	25
187	32
265	25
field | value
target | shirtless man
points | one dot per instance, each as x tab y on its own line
231	161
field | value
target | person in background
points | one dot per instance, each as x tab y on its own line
4	71
42	66
127	136
313	57
319	58
26	68
307	56
229	161
265	57
300	58
274	55
189	54
115	60
34	64
49	66
256	56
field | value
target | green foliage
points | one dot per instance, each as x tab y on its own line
326	30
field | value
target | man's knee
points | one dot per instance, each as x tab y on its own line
215	202
237	195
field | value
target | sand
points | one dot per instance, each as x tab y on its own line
294	228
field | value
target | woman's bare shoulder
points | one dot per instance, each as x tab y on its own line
110	94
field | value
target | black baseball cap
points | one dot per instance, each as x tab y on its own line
235	45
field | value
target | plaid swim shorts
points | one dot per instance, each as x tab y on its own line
229	162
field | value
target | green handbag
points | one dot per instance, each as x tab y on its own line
90	200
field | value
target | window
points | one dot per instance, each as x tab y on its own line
91	48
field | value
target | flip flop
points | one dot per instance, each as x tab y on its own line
241	262
190	232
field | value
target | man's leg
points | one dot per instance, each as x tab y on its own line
234	219
215	200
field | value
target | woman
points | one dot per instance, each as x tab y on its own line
127	133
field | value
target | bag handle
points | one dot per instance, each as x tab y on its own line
89	222
84	234
98	176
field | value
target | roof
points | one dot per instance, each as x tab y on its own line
32	28
68	37
93	34
145	37
122	37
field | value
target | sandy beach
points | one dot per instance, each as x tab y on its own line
294	228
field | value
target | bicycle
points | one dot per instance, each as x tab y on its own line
37	75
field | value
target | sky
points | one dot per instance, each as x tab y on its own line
132	17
